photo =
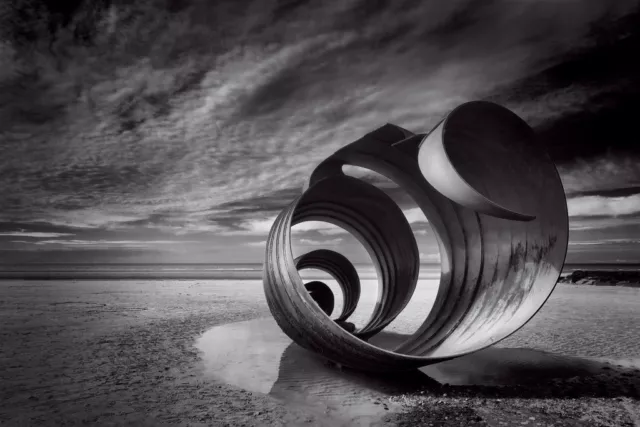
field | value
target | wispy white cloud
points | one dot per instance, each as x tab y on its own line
305	242
257	226
34	234
604	206
321	227
94	217
262	226
312	242
104	243
332	231
415	215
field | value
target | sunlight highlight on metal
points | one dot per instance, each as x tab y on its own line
496	204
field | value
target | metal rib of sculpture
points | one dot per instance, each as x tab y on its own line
496	204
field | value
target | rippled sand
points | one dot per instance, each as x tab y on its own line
122	352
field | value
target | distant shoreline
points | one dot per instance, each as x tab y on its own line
620	278
629	279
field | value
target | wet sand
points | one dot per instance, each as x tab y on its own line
123	353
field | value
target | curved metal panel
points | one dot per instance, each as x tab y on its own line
496	204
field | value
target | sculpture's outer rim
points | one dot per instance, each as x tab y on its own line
449	181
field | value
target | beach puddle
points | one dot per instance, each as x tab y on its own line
257	356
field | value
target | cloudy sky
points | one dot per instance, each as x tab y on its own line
175	130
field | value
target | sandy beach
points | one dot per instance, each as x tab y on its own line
123	353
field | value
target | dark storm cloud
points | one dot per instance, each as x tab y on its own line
209	116
604	71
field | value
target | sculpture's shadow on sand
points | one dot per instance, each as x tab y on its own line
257	356
515	372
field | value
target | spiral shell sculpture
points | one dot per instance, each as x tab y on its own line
496	204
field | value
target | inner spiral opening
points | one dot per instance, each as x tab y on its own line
308	236
310	275
419	306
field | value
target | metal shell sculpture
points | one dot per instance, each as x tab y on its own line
496	204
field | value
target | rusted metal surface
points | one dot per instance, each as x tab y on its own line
496	204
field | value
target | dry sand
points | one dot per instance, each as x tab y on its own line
122	353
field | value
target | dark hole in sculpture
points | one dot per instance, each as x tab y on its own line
322	295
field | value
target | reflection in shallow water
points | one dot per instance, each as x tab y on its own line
256	356
244	354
